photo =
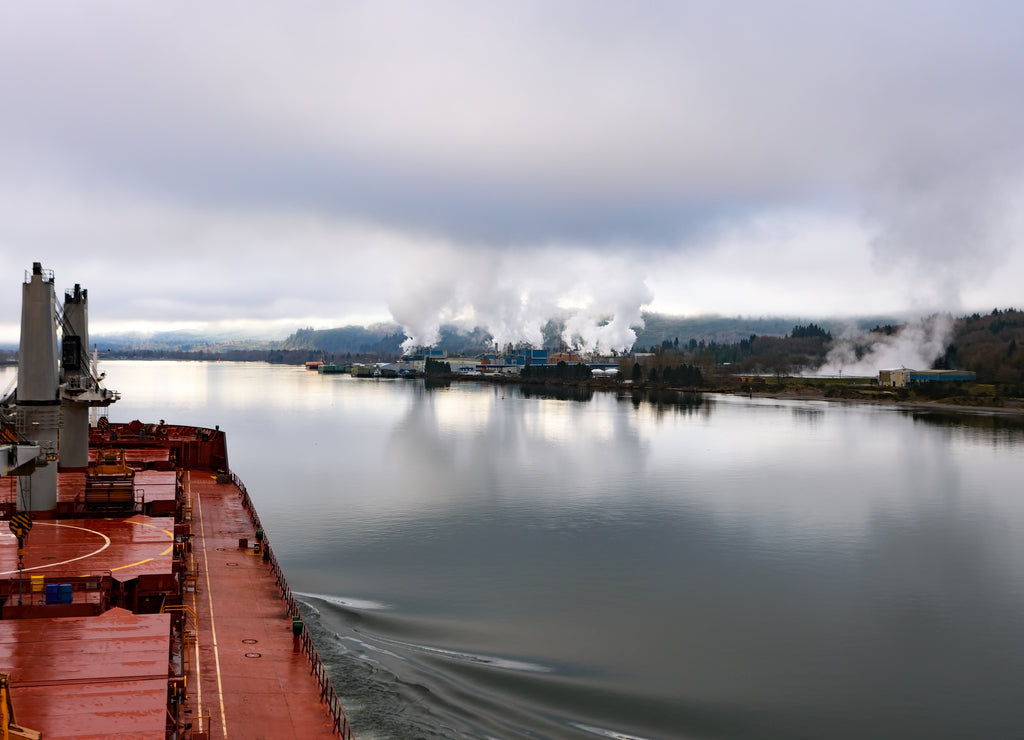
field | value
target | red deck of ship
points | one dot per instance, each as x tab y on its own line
89	677
139	545
249	678
108	675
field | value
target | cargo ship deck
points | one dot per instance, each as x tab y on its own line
164	615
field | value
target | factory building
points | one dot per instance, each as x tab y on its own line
903	377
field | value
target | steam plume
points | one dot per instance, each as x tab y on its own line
506	293
915	345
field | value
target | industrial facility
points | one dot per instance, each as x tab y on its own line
903	377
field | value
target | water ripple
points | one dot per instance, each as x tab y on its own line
606	733
471	658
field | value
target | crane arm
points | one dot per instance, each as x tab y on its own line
9	728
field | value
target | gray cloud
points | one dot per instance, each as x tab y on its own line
188	143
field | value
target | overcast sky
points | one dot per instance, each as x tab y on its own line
325	163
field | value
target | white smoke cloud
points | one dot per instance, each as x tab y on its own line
915	345
603	327
512	294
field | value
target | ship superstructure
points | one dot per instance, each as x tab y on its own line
139	595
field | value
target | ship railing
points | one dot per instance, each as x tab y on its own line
183	609
317	668
182	612
199	728
91	589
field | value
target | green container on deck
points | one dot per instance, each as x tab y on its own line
296	625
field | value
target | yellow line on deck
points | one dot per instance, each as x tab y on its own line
106	544
146	524
130	565
195	610
213	624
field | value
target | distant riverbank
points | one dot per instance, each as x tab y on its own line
954	403
974	397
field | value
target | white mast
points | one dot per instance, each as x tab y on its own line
38	400
53	401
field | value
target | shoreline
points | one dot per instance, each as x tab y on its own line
1009	407
842	394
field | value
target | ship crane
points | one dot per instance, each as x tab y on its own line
9	728
56	390
16	457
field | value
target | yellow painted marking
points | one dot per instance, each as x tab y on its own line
213	623
151	526
147	524
195	610
131	565
199	682
106	544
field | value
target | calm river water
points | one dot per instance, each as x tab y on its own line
481	562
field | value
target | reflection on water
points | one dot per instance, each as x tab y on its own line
672	402
486	561
560	393
998	427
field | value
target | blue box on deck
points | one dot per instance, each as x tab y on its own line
64	593
51	593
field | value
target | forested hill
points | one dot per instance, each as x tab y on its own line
379	339
386	338
725	330
991	345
